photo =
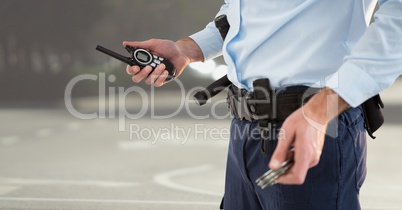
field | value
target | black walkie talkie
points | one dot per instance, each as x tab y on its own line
141	58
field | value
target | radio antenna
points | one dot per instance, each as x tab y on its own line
124	59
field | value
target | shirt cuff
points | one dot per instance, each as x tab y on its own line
353	84
210	41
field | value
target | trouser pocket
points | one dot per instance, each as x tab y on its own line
358	134
354	147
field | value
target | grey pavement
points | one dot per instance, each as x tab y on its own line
51	160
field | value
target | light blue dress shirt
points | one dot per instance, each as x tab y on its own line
310	42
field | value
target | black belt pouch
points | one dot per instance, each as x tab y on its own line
373	116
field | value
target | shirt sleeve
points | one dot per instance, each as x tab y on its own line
375	62
209	39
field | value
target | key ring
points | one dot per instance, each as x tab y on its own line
269	178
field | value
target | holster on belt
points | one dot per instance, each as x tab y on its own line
264	106
257	106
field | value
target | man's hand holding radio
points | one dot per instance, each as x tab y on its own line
180	53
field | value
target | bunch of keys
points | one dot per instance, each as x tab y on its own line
270	177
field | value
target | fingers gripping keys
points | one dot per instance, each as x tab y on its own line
270	177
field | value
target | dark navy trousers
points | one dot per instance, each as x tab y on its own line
333	184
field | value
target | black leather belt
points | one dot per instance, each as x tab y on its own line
267	106
277	105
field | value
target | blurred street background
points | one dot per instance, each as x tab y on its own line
46	43
76	133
